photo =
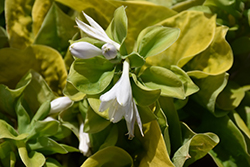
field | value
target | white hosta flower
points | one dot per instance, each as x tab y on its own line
121	104
84	141
60	104
95	31
85	50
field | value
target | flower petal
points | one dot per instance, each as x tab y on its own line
60	104
84	141
138	118
95	25
84	50
90	31
105	105
109	51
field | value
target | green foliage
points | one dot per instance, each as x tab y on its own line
188	73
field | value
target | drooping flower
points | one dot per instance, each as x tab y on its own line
120	102
60	104
95	31
84	141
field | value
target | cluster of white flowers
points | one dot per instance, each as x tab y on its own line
119	99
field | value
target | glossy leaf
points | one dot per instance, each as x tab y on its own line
189	86
143	95
56	30
216	59
32	158
40	58
119	25
117	157
156	77
155	39
135	60
154	151
8	132
197	27
91	76
94	123
195	146
72	92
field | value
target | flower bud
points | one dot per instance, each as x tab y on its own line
60	104
84	50
109	51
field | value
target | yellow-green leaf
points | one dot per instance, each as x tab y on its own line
194	26
45	60
19	22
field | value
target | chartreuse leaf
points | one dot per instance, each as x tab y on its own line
154	151
241	124
45	60
72	92
56	30
111	139
94	122
39	11
143	95
46	146
50	162
18	25
7	157
230	97
216	59
119	25
155	39
210	88
189	86
184	5
232	149
8	132
195	146
103	12
116	157
156	77
3	38
244	109
41	113
37	91
91	76
136	60
194	26
30	159
43	128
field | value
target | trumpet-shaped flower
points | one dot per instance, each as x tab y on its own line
120	102
60	104
95	31
84	141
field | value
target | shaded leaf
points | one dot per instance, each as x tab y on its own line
143	95
8	132
117	157
42	59
91	76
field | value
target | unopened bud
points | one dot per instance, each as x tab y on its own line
109	51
